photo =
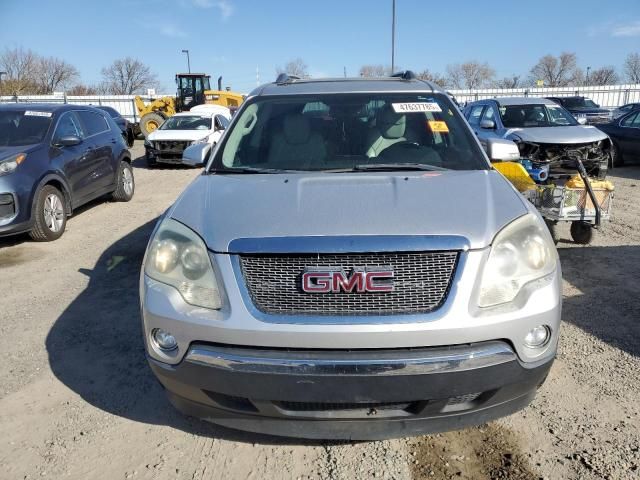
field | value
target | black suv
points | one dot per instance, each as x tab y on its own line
54	158
584	107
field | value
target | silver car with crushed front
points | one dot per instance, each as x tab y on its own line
349	265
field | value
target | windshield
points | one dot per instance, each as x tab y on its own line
535	115
349	132
23	127
187	122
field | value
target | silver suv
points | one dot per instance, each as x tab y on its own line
349	265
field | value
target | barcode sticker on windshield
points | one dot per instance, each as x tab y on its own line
438	126
32	113
416	107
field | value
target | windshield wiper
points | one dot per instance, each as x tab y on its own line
390	167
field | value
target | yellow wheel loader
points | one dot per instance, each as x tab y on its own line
193	89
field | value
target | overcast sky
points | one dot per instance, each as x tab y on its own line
234	37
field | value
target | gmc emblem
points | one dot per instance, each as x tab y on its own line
360	280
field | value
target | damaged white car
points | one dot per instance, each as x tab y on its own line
203	124
547	135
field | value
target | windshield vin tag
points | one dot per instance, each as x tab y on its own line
416	107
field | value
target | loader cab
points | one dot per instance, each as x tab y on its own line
191	88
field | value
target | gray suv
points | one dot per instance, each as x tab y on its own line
349	265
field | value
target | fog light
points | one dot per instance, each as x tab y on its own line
164	340
537	336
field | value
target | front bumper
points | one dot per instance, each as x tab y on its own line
14	218
324	394
173	156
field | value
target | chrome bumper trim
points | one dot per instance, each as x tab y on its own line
368	362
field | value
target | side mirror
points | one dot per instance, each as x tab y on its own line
582	120
196	155
68	141
487	124
501	150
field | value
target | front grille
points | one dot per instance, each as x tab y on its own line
170	146
421	283
323	407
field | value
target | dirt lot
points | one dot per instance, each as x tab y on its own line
77	399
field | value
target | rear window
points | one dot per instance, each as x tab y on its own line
23	127
337	132
111	111
94	123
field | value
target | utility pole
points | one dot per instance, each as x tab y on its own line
587	80
393	36
345	71
257	76
188	60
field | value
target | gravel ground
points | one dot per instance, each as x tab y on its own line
77	399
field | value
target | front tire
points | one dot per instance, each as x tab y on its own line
126	184
581	232
616	156
150	123
50	216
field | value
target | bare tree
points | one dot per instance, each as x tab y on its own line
471	74
603	76
82	89
127	76
375	71
632	68
52	73
557	71
512	81
436	78
20	66
296	67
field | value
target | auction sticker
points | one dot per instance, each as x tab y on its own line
438	126
416	107
32	113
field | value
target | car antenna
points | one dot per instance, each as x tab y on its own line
404	75
285	78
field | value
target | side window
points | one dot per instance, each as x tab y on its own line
474	115
221	122
632	120
94	123
489	113
67	125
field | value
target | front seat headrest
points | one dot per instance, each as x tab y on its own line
391	124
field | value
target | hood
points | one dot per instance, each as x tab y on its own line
179	135
559	135
6	152
472	204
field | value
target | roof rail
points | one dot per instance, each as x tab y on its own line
285	78
404	75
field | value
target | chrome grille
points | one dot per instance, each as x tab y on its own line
421	283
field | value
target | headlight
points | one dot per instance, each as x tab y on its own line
178	257
10	164
521	252
202	140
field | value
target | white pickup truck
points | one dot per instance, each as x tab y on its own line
202	124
